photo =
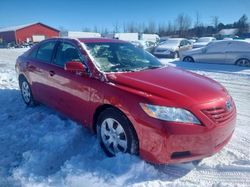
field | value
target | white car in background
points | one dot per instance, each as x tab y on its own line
203	41
146	45
172	47
221	52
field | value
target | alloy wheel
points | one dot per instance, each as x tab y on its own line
244	62
26	92
113	136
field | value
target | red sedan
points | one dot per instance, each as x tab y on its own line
124	94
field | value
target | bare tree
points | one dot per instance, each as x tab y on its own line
86	29
197	19
116	27
96	29
132	27
215	22
183	23
151	27
242	24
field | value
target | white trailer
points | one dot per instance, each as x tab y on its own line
123	36
150	37
79	34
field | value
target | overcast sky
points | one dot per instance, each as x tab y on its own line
77	14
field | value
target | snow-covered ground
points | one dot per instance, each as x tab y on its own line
39	147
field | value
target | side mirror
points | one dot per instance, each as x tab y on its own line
75	67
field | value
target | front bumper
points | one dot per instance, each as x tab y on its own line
169	142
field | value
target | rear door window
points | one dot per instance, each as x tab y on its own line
45	51
236	46
218	47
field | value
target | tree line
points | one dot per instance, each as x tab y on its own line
182	26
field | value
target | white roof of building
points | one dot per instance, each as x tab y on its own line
14	28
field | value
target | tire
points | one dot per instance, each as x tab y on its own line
115	133
26	92
176	54
243	62
188	59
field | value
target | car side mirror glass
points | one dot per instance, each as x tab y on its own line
74	66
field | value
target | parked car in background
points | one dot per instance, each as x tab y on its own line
146	45
172	47
224	52
203	41
134	103
163	39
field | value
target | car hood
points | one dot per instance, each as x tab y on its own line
167	46
174	84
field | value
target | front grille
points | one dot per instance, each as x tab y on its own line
176	155
219	114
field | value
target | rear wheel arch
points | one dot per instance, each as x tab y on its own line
26	91
22	77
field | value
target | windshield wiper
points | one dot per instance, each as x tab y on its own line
151	67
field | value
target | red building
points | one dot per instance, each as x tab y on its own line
33	32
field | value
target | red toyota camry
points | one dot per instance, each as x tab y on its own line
134	103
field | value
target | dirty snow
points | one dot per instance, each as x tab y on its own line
40	147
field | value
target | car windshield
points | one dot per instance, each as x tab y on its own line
204	40
117	57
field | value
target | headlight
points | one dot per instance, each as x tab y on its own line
169	113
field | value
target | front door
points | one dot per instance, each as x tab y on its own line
71	91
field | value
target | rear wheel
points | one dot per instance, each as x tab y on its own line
26	92
243	62
116	133
188	59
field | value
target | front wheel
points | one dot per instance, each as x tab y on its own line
243	62
188	59
116	133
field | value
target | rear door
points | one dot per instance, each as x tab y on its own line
70	91
237	50
38	70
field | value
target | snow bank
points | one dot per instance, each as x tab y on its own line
40	147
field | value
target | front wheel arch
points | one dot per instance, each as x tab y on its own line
237	62
191	59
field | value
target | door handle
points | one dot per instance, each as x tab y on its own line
52	73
